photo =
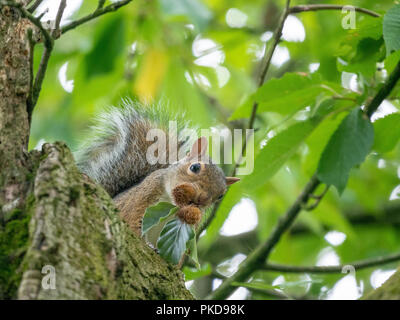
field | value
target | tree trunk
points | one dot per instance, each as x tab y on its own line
390	290
53	218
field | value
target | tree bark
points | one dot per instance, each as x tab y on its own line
76	229
390	290
52	216
15	79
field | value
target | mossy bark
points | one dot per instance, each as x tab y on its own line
75	229
52	215
15	78
390	290
15	164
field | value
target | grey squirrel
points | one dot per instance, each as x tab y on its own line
115	157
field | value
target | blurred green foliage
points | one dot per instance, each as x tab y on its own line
190	54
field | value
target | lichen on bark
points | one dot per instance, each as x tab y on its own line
73	224
389	290
76	229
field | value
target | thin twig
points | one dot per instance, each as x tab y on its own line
264	70
98	12
35	5
258	258
320	7
57	32
40	16
101	4
317	198
266	62
37	86
48	40
358	265
48	47
31	76
384	91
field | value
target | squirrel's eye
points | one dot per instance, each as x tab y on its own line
195	168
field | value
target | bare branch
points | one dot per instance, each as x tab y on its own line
98	12
319	7
48	40
40	16
317	200
101	4
37	85
57	32
35	5
257	259
48	47
31	77
358	265
266	62
384	91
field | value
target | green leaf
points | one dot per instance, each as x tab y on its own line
368	28
368	53
108	46
155	214
286	95
391	61
387	133
391	29
269	160
173	239
192	274
277	151
318	140
347	147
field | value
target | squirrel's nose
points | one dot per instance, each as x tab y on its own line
201	199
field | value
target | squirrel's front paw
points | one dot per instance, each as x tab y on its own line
184	194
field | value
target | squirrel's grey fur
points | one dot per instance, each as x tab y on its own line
115	154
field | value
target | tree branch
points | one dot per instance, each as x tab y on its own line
57	32
35	5
358	265
48	47
257	258
261	253
320	7
101	4
48	40
98	12
266	62
384	91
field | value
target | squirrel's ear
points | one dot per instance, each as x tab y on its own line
199	148
231	180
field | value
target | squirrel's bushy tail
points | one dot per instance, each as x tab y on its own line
114	155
